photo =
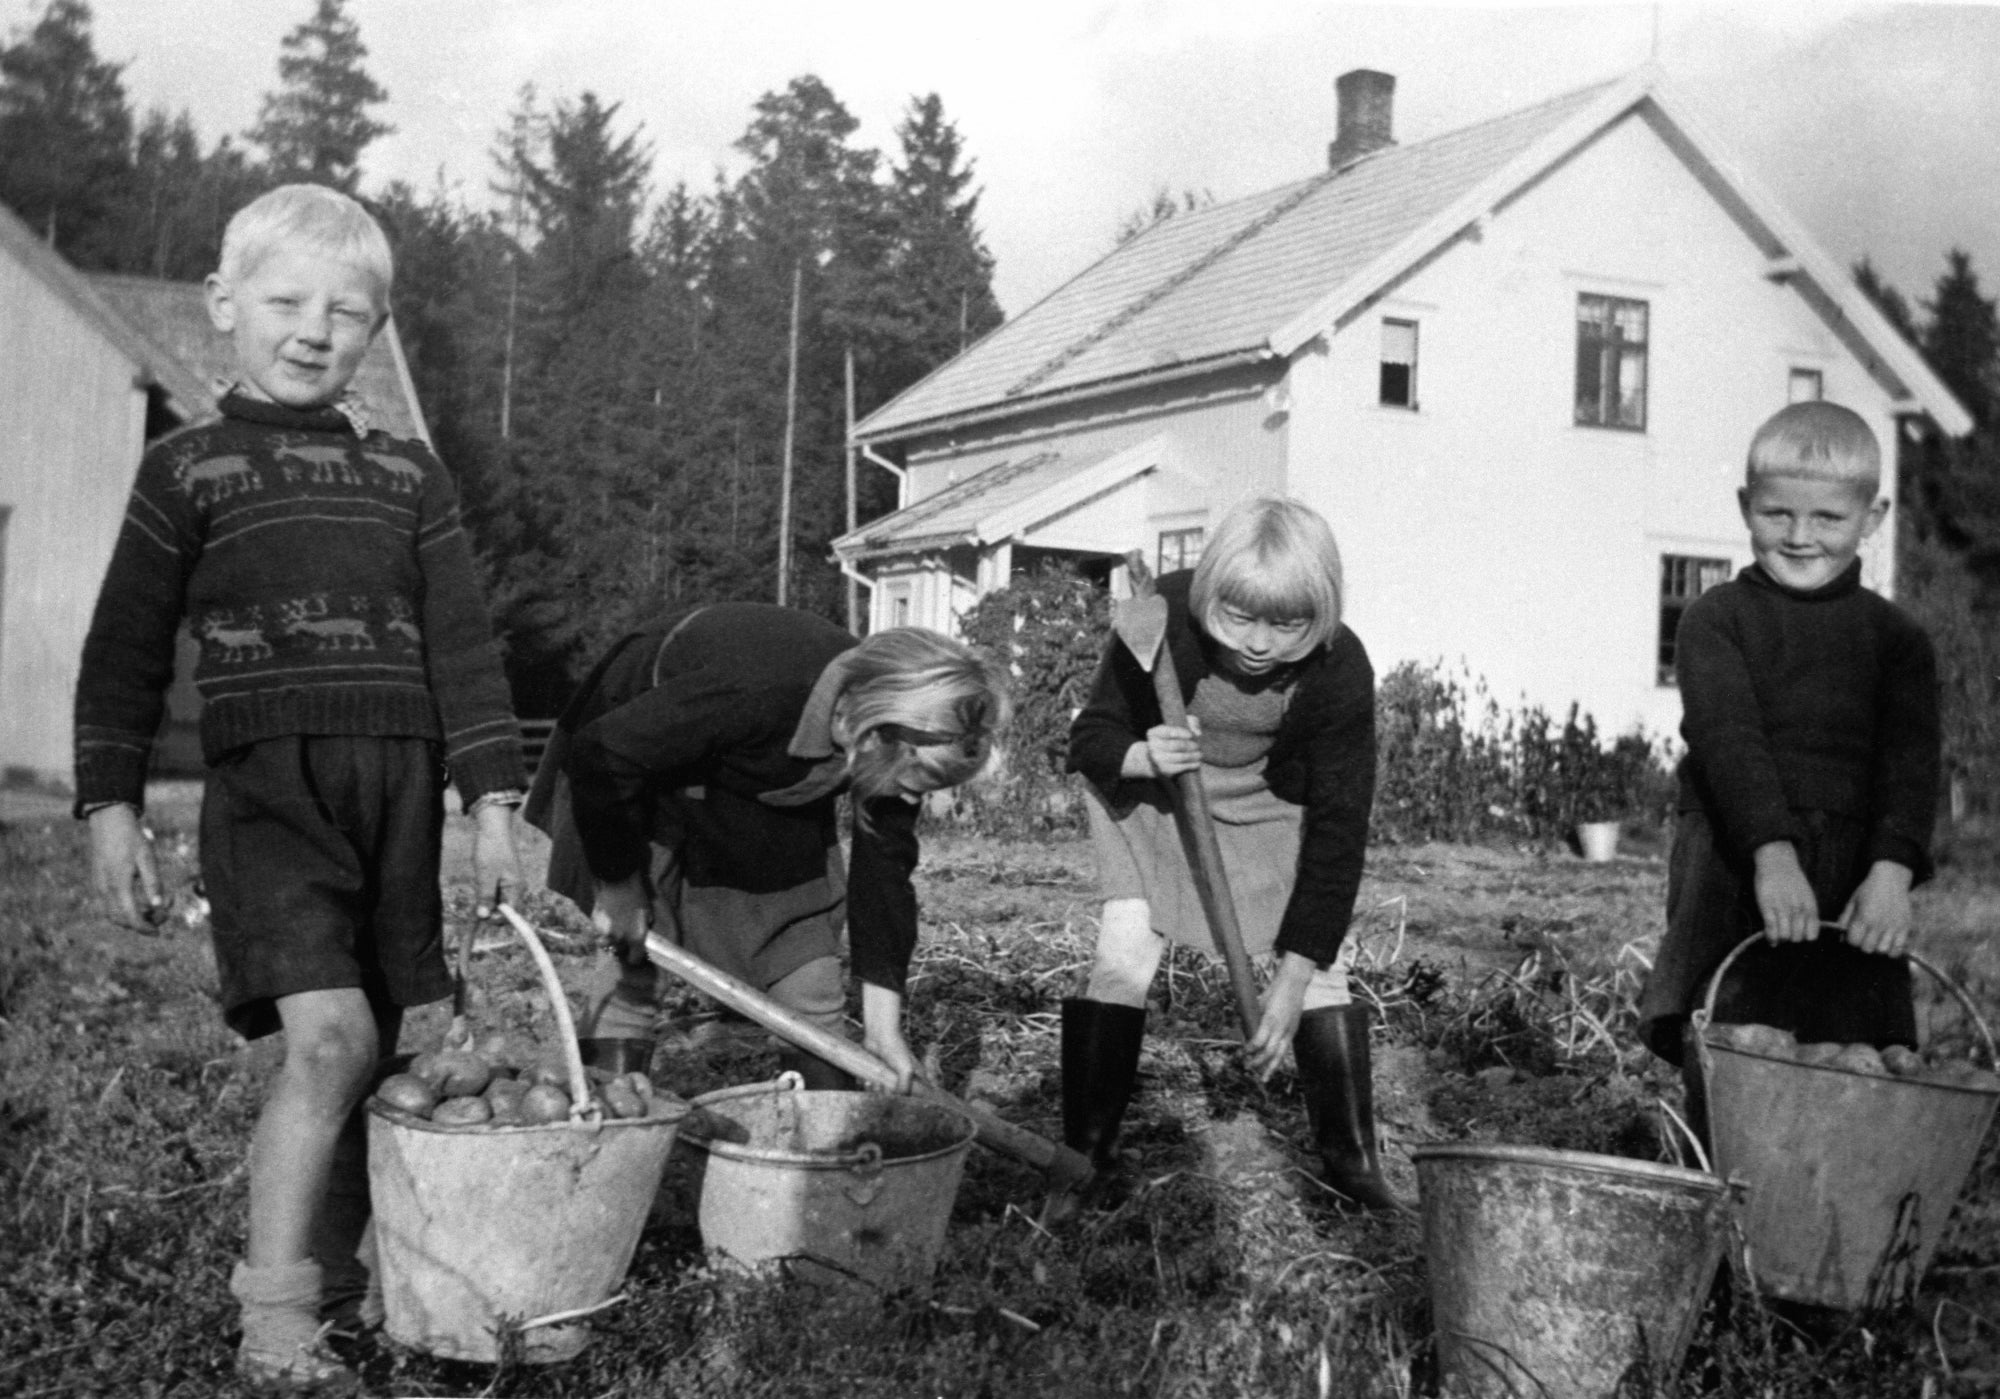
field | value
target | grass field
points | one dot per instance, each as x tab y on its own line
1505	977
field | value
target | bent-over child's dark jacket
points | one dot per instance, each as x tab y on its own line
328	583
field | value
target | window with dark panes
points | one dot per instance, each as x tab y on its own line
1610	362
1179	548
1399	364
1683	578
1805	386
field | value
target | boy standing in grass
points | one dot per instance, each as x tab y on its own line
345	649
1807	795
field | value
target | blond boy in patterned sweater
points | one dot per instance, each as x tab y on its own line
346	660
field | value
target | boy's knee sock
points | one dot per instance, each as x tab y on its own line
280	1309
1128	953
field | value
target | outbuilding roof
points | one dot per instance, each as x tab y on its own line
1258	277
155	364
174	315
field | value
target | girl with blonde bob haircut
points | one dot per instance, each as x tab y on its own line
694	786
1281	733
1271	557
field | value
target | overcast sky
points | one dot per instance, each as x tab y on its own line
1878	125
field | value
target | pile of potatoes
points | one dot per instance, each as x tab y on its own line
1896	1061
470	1088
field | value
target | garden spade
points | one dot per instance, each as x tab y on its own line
1066	1169
1141	623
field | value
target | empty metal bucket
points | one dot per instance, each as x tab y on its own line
838	1184
1563	1272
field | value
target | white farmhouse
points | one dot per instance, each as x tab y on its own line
1516	366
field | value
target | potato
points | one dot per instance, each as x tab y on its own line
1818	1053
1902	1061
461	1073
553	1072
495	1049
641	1084
462	1112
1859	1059
425	1067
544	1102
1764	1039
621	1099
408	1093
1959	1073
507	1110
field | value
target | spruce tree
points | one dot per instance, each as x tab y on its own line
1962	337
65	135
316	125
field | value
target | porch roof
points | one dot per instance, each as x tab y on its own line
1001	502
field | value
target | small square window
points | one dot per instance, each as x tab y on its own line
1682	579
1611	362
1179	548
1399	364
1805	386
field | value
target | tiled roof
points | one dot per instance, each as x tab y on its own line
952	515
1220	281
174	316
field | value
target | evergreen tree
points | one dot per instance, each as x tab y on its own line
65	135
315	126
1887	299
585	197
1962	337
942	270
179	200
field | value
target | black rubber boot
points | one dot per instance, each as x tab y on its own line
1335	1075
815	1073
617	1056
1100	1060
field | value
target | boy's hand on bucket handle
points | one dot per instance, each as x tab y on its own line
1784	898
496	867
121	854
1878	916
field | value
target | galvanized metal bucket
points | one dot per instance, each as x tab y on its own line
485	1231
832	1185
1564	1273
1849	1177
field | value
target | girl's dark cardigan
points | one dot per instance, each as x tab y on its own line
1323	760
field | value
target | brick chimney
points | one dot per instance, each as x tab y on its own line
1367	101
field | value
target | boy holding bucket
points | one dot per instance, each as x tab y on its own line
1807	793
345	650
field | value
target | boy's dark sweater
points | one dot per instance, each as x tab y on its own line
1809	701
329	584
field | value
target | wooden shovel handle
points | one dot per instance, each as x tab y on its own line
1204	852
1067	1169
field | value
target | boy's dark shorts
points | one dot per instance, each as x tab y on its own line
319	856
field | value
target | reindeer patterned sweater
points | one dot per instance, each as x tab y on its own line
325	576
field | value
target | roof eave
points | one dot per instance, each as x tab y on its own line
1926	392
1056	398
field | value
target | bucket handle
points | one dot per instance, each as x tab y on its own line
579	1086
866	1167
1706	1011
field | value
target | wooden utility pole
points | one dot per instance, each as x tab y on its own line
791	433
853	588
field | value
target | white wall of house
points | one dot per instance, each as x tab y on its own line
1485	527
72	426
